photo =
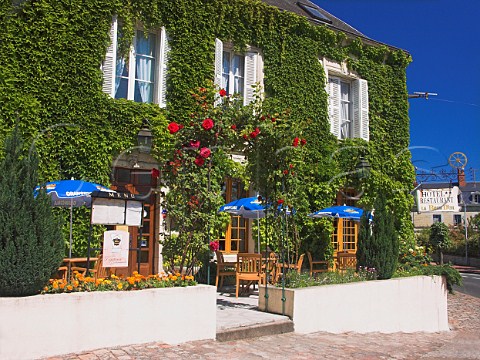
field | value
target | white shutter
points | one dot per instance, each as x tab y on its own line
360	109
162	82
218	62
250	76
334	105
109	64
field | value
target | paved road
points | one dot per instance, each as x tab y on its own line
471	284
463	342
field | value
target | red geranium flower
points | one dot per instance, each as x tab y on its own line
173	127
199	161
295	142
195	144
155	173
222	92
207	124
205	152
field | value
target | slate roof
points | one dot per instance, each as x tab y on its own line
336	23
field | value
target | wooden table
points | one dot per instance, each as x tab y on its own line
73	264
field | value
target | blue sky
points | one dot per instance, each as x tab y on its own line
443	38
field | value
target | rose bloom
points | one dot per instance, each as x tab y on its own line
280	201
303	142
173	127
207	124
155	173
233	127
295	142
199	161
195	144
205	152
222	93
285	172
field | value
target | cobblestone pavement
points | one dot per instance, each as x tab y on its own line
463	342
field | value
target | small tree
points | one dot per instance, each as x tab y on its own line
31	240
378	240
439	238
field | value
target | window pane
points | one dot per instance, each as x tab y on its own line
238	70
144	67
226	72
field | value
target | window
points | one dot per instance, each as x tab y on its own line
457	219
476	198
237	72
235	238
437	218
348	107
141	75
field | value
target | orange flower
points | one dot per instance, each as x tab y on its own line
55	284
119	286
69	287
45	288
62	285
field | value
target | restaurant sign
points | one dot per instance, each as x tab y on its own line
115	248
446	199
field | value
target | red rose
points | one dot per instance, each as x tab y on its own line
253	134
291	166
233	127
285	172
173	127
195	144
155	173
207	124
214	245
262	117
303	142
222	93
273	119
295	142
245	136
205	152
280	201
199	161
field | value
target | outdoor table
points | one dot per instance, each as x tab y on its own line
74	263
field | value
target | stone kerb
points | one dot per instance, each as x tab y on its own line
408	304
47	325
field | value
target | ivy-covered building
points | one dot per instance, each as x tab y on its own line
80	78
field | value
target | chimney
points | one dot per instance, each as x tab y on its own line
461	177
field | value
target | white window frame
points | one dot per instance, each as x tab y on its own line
436	218
253	68
160	72
357	124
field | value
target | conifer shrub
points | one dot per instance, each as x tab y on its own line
378	240
31	240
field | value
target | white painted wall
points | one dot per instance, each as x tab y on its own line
409	304
46	325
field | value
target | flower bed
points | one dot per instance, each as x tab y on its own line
54	324
417	303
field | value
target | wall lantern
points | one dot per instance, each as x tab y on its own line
144	138
363	168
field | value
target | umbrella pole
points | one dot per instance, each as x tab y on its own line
258	232
71	227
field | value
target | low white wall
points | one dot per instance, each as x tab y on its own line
46	325
408	304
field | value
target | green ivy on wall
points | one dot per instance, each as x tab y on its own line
50	84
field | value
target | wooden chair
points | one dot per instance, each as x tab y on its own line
270	268
223	268
297	266
313	263
346	260
249	269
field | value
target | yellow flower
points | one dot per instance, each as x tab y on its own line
131	280
120	286
174	278
55	285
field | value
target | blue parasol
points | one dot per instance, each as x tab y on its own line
71	193
249	208
342	212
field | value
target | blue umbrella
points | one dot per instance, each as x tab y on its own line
249	208
342	212
71	193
